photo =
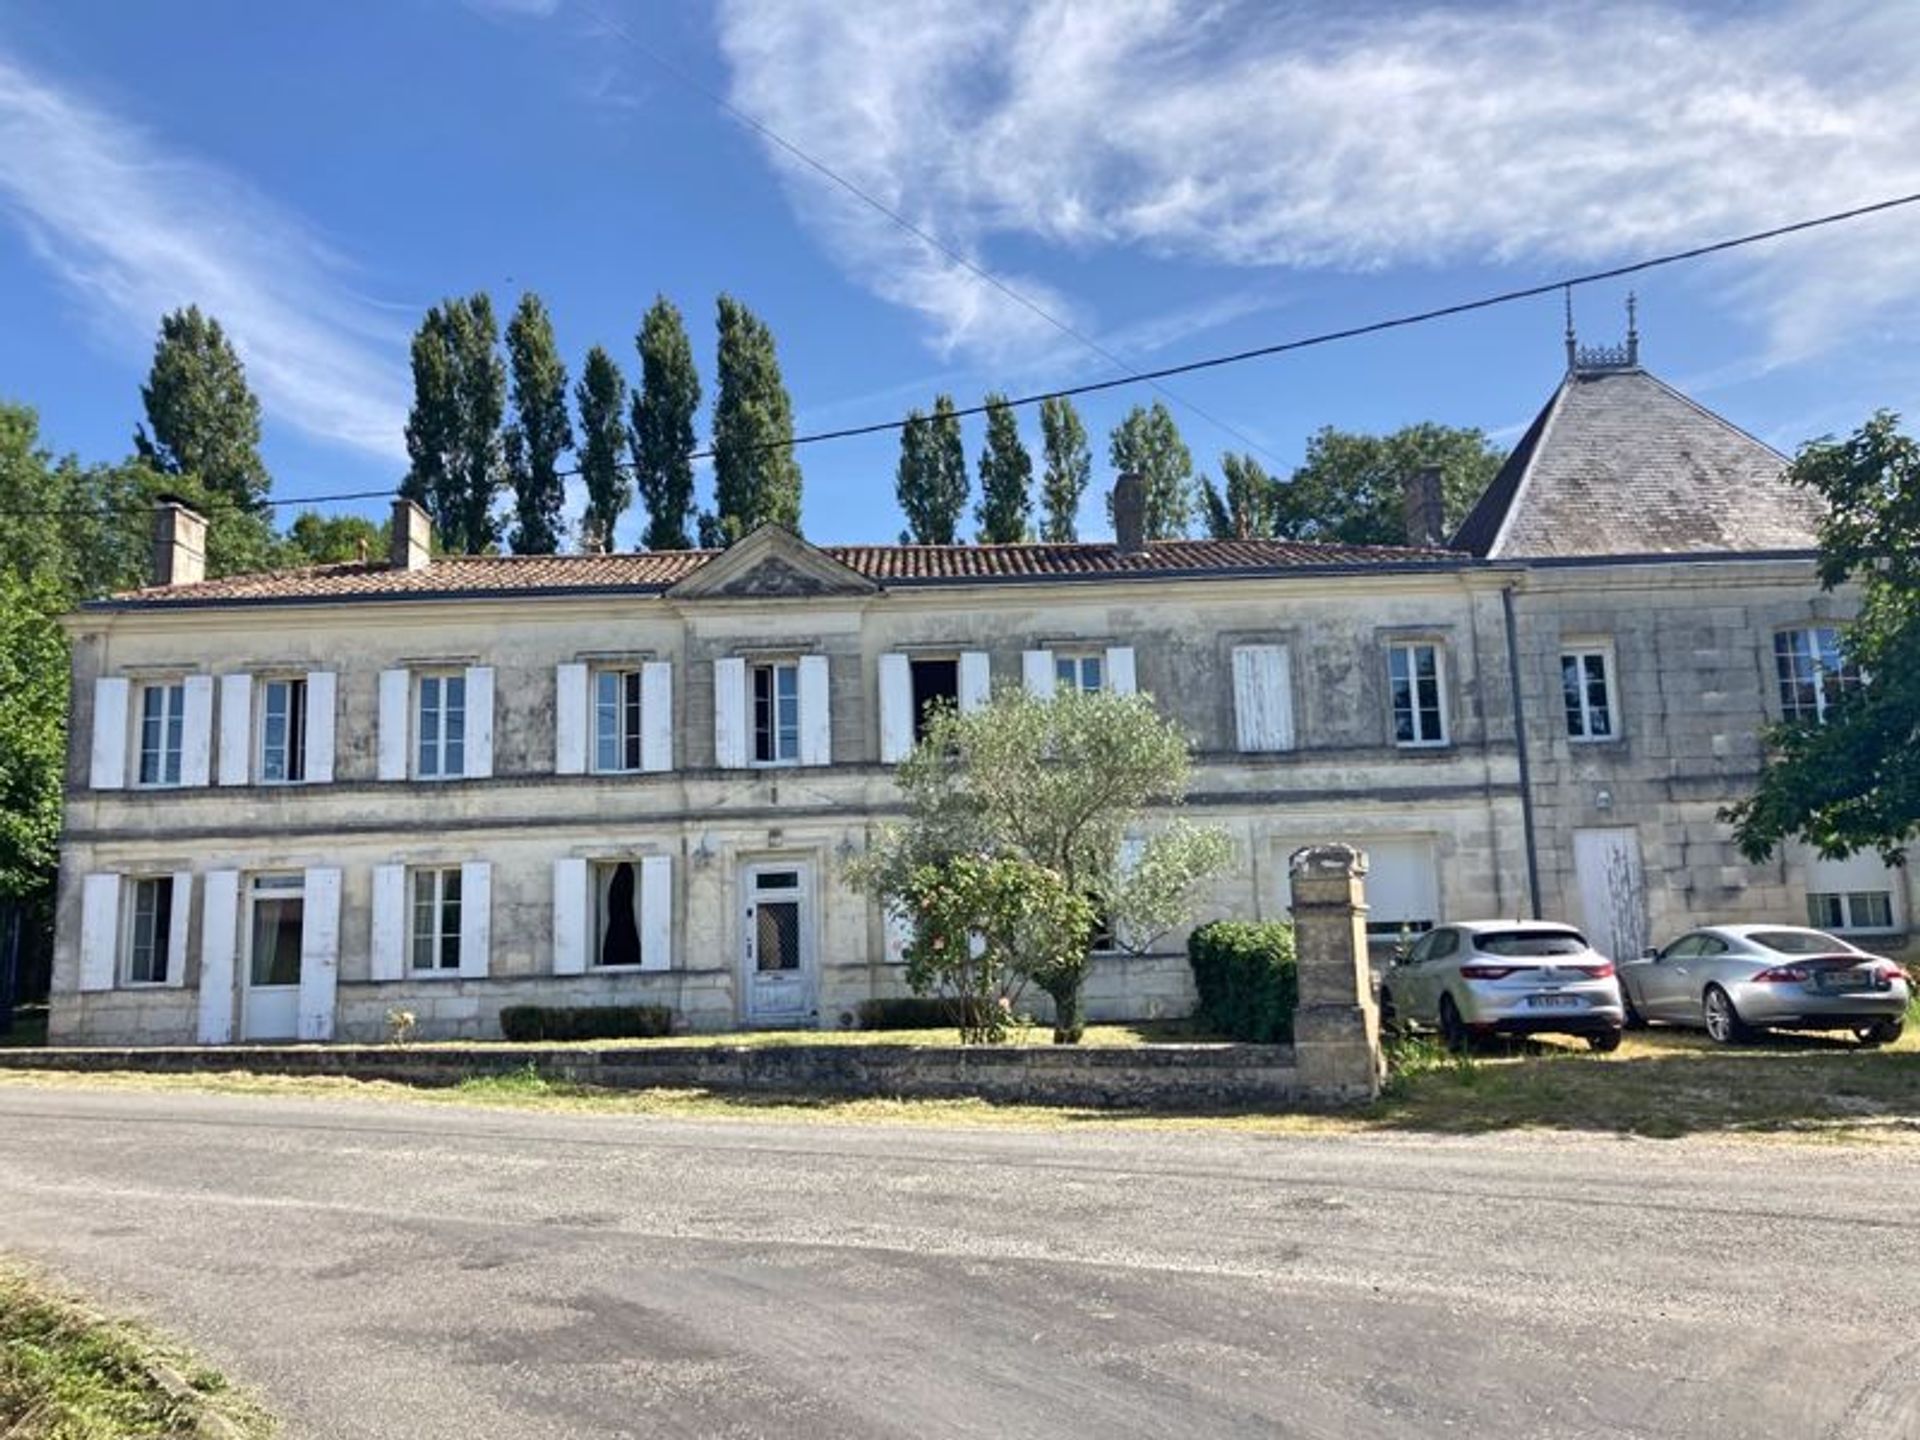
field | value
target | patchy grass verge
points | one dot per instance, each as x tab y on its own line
69	1374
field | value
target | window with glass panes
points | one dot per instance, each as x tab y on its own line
1855	910
616	720
1811	670
1419	712
1086	673
163	715
1586	685
436	920
776	713
442	726
150	933
283	731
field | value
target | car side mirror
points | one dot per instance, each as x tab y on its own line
1649	953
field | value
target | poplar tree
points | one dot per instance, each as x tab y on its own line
602	400
202	419
1069	468
1148	443
931	481
663	409
756	477
453	430
1246	505
1006	478
540	432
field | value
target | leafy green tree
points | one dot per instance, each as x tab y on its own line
202	419
602	400
756	476
33	732
453	430
1006	478
931	481
663	411
1851	781
1350	487
540	433
1148	443
1069	469
1246	509
316	539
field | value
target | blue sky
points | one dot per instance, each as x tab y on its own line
1169	177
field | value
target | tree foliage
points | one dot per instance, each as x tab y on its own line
1006	478
1245	507
756	476
602	400
453	430
663	411
1852	781
1351	486
202	418
1068	469
33	731
316	539
931	479
1148	444
540	433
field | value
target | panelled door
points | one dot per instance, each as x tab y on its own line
778	963
1613	892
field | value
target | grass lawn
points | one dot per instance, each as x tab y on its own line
68	1374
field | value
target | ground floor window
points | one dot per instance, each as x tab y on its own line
616	888
150	936
1858	893
436	920
1403	894
1859	910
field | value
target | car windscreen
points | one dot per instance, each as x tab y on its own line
1529	943
1797	942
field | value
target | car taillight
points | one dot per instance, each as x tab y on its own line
1782	975
1893	972
1486	972
1596	972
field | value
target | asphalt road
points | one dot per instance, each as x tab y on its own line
410	1271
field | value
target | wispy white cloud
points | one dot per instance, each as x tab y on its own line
136	230
1240	133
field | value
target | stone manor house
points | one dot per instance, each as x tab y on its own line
299	800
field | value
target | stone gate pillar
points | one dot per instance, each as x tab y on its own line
1336	1029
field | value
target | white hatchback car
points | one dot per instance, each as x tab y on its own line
1505	977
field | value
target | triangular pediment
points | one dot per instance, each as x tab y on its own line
772	563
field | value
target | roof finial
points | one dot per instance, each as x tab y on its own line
1633	329
1568	290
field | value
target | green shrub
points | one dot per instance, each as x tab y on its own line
1247	979
909	1012
585	1022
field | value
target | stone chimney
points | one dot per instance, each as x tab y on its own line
1130	514
411	543
179	543
1423	507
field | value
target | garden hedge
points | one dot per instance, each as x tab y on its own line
585	1022
908	1012
1247	979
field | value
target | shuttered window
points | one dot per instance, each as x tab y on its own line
150	933
163	714
776	713
283	731
442	726
617	723
436	920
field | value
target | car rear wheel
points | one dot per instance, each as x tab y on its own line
1724	1025
1604	1041
1453	1030
1880	1032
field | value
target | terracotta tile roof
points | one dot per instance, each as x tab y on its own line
650	572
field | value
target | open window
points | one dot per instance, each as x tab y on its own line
936	683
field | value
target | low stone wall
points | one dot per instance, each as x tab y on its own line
1157	1077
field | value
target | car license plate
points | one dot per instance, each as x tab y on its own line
1846	980
1556	1002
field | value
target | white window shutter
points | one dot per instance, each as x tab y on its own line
388	950
319	953
1036	673
1262	697
479	722
896	708
816	712
1120	679
656	716
476	918
177	929
196	731
99	931
110	697
729	712
656	912
219	933
570	722
570	916
396	694
236	729
322	698
976	681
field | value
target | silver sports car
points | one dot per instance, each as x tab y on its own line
1732	980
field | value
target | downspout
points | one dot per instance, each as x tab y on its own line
1520	745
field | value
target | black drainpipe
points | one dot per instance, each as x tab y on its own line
1520	744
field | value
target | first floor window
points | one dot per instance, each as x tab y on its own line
1419	713
776	713
283	731
1812	671
151	936
1085	673
163	712
616	720
936	683
1589	700
436	919
442	726
616	888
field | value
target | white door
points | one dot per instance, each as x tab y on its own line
778	929
1613	892
275	931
